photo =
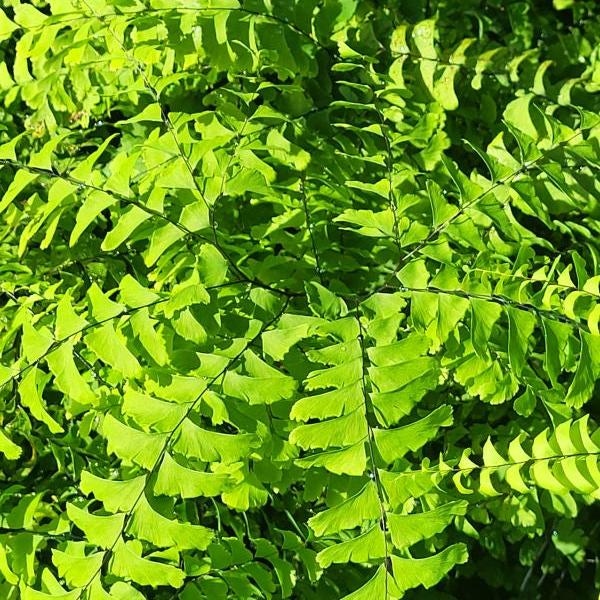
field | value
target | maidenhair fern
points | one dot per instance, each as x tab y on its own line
299	299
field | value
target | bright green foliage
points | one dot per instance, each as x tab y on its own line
299	299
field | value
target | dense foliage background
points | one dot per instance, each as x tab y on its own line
299	299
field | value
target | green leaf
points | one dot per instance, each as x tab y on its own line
101	530
258	390
401	386
134	294
144	328
520	328
340	431
10	450
151	413
407	530
323	302
6	26
36	342
413	572
28	593
162	239
184	297
582	385
67	377
125	227
361	549
211	446
400	487
329	404
176	479
212	265
127	562
109	347
348	461
30	392
132	445
68	322
336	377
483	318
117	496
376	587
147	524
94	204
102	307
290	330
77	571
393	444
350	513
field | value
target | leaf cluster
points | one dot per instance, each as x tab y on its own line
299	299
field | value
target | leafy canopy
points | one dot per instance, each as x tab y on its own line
299	299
